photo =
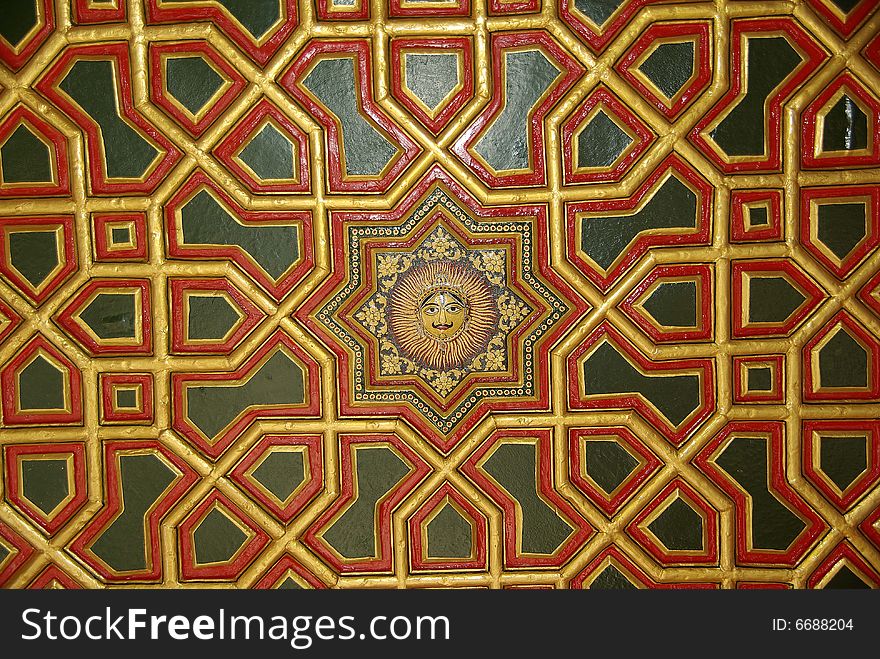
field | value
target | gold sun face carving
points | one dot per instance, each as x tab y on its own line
442	314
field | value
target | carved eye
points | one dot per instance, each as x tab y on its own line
431	309
453	308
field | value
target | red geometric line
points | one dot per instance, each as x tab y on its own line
635	572
288	563
84	13
843	552
23	552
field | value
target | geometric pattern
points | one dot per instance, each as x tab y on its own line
347	294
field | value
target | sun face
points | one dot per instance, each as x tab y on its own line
442	314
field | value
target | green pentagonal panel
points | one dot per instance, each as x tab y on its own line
41	386
34	254
281	472
843	362
772	299
449	534
217	538
841	227
608	463
845	128
674	304
679	527
210	317
670	66
598	11
191	81
431	77
601	142
843	459
19	18
45	483
112	315
25	158
270	155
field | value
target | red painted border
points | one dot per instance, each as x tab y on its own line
213	449
777	395
866	481
742	328
812	393
13	318
872	51
312	537
851	20
644	138
701	271
581	530
53	573
867	294
22	114
709	555
113	506
234	253
635	401
870	526
338	180
74	327
570	70
843	551
635	572
197	49
310	489
397	9
815	57
480	536
502	7
99	183
14	452
440	44
178	286
285	563
839	195
9	384
15	60
244	131
702	232
633	482
104	252
738	230
359	11
84	13
702	30
260	53
597	40
23	553
108	383
774	432
68	247
810	124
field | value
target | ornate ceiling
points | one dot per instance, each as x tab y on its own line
435	293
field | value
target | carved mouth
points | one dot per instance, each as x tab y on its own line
442	326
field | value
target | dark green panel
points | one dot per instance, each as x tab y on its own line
19	18
281	472
841	227
774	526
123	544
112	315
379	470
612	579
505	143
126	398
34	254
91	83
608	463
44	483
279	381
770	61
843	459
41	386
597	11
759	379
514	466
846	127
772	299
601	142
4	552
846	579
843	362
25	158
210	317
191	81
606	371
269	154
847	6
120	235
449	535
679	527
289	584
367	151
431	77
674	304
274	248
257	16
217	538
670	66
758	216
674	205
